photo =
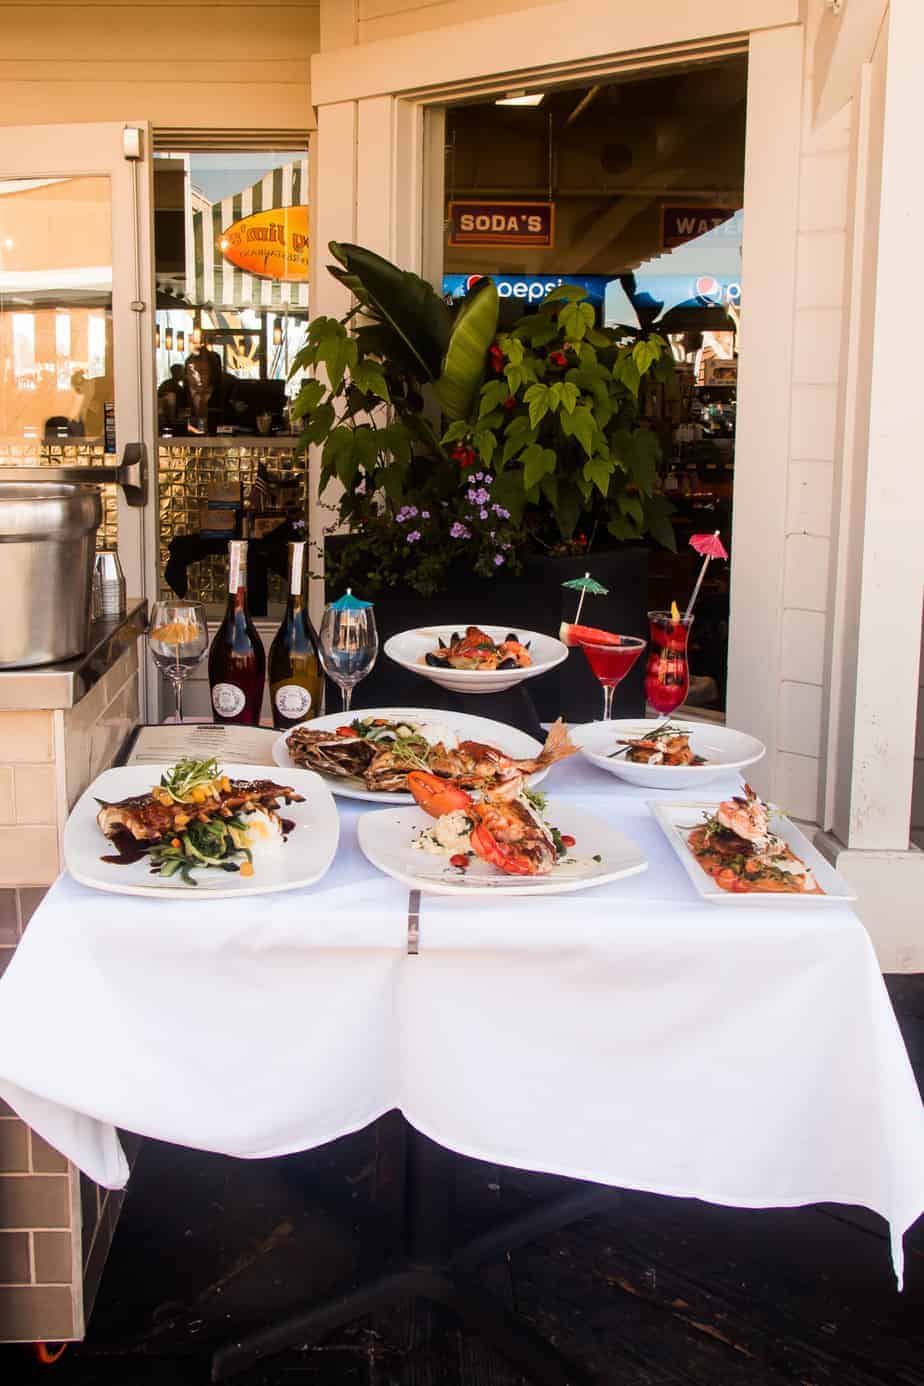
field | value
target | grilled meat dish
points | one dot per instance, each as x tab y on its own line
149	817
340	753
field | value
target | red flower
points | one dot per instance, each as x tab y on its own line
510	403
580	539
464	456
497	358
558	358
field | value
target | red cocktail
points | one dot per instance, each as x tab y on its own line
667	673
611	660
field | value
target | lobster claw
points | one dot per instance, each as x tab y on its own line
485	845
436	796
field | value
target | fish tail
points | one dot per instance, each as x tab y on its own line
558	744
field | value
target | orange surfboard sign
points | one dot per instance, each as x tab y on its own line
269	245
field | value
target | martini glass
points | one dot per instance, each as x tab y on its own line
611	661
667	672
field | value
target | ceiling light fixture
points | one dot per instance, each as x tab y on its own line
521	98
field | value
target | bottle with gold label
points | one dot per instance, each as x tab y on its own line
296	677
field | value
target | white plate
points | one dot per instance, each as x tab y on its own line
387	838
408	650
679	817
723	748
304	858
466	727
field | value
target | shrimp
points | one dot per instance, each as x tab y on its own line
748	817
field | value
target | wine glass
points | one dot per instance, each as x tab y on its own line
667	672
179	637
348	643
611	660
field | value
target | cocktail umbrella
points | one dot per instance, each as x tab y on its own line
710	546
349	603
584	585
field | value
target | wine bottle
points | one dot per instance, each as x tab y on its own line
237	660
296	679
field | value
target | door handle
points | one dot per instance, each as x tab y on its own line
131	474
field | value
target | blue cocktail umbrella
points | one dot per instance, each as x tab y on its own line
349	603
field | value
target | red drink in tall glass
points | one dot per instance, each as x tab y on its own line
667	672
611	661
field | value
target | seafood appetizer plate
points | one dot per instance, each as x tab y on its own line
683	755
815	880
475	659
392	841
201	834
374	766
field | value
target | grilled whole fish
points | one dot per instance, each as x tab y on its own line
341	756
148	818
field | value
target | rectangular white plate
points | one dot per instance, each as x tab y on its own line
679	817
304	858
387	839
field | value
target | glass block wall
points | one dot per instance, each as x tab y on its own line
186	468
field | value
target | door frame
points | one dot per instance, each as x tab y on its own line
378	180
98	149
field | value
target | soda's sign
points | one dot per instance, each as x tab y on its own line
682	223
502	223
269	245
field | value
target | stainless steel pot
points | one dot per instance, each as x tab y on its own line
47	546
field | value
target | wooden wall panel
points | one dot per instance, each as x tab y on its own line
209	65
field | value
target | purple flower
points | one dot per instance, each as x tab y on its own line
498	559
413	536
425	514
500	512
488	479
478	476
483	514
459	531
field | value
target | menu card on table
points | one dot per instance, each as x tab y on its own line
233	745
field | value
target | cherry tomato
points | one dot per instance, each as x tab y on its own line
741	886
567	840
726	877
346	731
459	859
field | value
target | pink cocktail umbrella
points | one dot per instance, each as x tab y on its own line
710	546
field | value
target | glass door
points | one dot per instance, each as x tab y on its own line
76	321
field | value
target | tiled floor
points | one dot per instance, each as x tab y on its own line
658	1292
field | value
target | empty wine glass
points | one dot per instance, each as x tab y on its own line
349	643
179	637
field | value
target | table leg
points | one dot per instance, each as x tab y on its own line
430	1268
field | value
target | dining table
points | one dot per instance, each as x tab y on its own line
631	1036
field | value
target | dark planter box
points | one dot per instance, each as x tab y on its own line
535	600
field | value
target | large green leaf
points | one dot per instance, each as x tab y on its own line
413	311
472	333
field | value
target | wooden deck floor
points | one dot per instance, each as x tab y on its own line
658	1292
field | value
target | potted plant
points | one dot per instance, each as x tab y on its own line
467	456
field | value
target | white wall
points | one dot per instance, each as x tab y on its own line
207	65
816	363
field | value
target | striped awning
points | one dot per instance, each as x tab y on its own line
221	284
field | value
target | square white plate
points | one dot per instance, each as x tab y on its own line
679	817
387	840
304	858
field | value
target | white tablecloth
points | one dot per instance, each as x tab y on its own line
630	1034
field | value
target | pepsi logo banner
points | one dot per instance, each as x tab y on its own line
502	223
